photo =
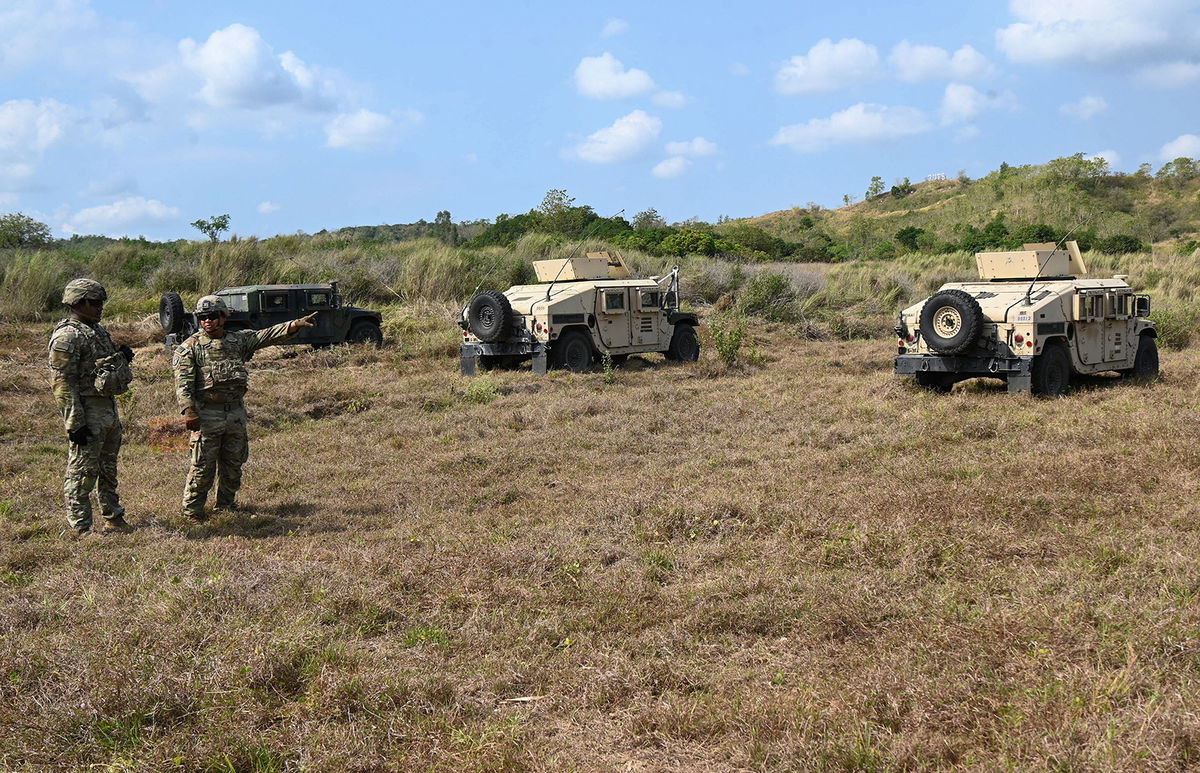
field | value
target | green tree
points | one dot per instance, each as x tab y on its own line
444	228
555	201
689	242
902	188
18	230
876	187
909	237
648	218
212	227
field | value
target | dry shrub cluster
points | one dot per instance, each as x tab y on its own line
804	566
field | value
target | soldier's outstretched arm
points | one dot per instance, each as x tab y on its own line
281	332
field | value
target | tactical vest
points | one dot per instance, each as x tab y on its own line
103	371
220	365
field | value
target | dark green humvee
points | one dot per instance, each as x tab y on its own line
257	307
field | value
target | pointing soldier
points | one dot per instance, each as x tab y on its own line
210	382
87	372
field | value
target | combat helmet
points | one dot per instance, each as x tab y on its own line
83	289
211	303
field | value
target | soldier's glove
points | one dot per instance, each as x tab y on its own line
191	419
129	353
80	436
309	321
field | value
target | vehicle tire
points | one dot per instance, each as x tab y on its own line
573	352
951	321
685	346
1051	371
363	332
171	313
934	382
490	316
1145	362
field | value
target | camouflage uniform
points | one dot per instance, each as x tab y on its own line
77	351
210	382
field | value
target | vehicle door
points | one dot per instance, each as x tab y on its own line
1117	324
329	327
612	317
647	316
1089	326
274	306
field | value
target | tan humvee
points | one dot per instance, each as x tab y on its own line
581	308
1030	320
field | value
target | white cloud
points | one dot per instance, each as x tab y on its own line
1187	145
626	138
114	219
828	66
267	207
240	70
670	99
1171	75
27	130
860	123
604	77
365	130
36	29
697	146
1111	157
614	27
1085	108
962	103
1098	31
670	167
915	63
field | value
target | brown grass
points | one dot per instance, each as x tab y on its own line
806	565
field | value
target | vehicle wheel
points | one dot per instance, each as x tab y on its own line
573	352
685	347
1145	362
490	316
934	382
951	321
365	333
1051	371
171	313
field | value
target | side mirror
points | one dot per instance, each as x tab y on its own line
336	301
1141	307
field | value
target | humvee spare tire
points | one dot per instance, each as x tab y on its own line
490	316
170	312
951	321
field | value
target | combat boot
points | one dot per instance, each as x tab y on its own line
117	524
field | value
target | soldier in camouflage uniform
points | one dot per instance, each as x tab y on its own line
210	382
87	372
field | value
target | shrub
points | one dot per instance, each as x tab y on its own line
482	391
728	333
689	242
1176	324
1121	244
769	295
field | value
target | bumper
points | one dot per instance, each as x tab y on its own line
1016	370
469	354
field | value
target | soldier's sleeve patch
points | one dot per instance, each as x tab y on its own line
60	356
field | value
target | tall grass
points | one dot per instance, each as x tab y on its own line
33	284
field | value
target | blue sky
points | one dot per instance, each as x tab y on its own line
138	116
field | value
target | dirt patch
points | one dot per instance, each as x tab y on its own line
167	433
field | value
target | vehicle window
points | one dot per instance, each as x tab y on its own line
1120	305
1095	306
650	299
274	302
237	302
614	301
318	300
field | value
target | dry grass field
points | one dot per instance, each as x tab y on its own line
807	565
